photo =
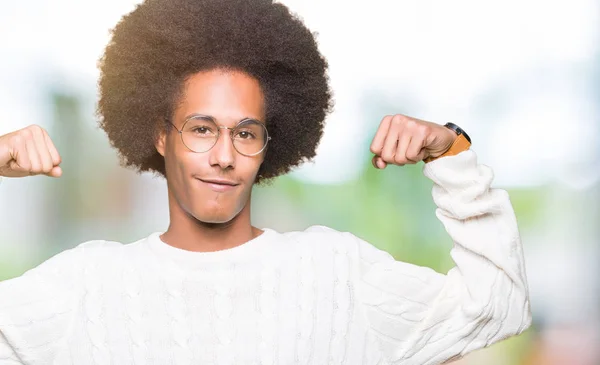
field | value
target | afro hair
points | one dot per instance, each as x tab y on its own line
161	43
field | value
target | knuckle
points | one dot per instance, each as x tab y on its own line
24	164
18	139
26	133
411	123
47	166
384	121
415	159
397	119
35	128
35	168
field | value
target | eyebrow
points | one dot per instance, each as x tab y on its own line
211	118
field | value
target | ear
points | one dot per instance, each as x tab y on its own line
160	141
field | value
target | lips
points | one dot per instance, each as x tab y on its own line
219	185
219	182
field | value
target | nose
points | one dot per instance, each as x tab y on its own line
223	152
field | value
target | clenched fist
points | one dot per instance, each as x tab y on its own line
28	151
402	140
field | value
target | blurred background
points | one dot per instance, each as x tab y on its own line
521	77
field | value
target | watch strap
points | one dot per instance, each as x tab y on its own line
460	144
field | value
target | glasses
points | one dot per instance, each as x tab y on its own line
200	133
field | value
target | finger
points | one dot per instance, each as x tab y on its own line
19	164
400	155
382	131
19	154
391	140
415	151
378	162
423	154
42	149
55	172
56	159
21	161
33	155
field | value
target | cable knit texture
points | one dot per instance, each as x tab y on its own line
316	296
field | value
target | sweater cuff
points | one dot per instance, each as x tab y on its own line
457	173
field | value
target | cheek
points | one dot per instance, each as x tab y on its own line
249	169
179	167
180	159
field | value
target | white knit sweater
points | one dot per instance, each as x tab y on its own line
317	296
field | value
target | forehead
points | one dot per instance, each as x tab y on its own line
228	96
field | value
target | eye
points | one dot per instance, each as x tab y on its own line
245	135
201	130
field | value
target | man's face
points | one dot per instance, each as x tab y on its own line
228	97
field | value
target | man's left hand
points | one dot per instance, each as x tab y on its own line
402	140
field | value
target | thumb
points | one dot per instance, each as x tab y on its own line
378	162
55	172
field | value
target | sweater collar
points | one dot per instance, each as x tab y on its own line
193	259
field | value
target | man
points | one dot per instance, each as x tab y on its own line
216	96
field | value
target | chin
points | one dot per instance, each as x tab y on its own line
215	210
216	215
213	217
217	219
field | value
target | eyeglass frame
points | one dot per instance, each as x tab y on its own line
219	127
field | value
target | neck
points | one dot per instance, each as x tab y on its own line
188	233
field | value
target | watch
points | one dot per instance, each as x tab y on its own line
460	144
458	130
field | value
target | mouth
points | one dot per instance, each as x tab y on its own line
219	185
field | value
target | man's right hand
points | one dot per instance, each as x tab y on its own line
28	151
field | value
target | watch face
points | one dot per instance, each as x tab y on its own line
458	130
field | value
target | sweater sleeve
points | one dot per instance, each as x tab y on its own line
36	309
422	317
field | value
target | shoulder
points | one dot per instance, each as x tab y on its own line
83	251
320	235
66	263
99	248
326	238
319	238
69	262
107	247
108	254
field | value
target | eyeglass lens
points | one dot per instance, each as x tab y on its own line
201	134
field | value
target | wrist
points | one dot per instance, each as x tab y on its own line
461	143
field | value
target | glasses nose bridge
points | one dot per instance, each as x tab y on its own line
231	129
225	127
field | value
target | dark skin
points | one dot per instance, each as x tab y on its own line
202	219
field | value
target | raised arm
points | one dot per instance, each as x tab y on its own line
25	302
422	317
